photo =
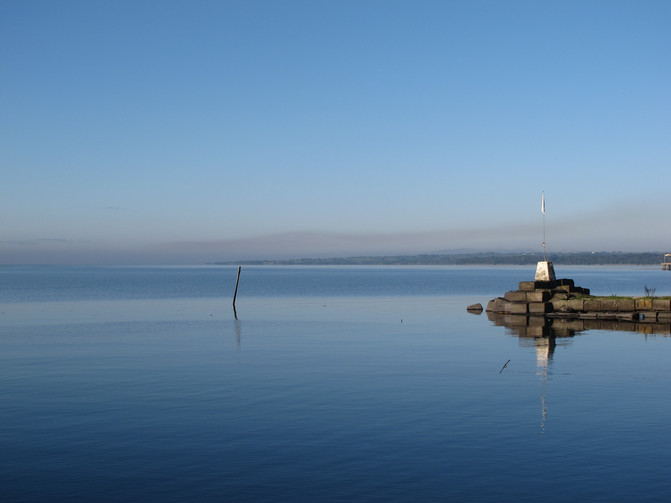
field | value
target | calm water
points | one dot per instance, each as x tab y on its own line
334	384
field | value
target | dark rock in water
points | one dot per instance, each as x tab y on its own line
474	308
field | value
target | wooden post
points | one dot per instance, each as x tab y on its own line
237	280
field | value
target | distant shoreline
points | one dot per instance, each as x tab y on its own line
483	258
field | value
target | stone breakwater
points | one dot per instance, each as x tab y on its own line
560	298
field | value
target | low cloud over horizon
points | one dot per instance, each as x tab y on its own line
624	231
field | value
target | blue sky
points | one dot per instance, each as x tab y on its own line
189	132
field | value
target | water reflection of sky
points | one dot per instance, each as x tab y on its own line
346	396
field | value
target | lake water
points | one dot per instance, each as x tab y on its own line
332	384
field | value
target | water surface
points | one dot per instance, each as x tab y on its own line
334	384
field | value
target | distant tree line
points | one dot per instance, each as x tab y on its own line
481	258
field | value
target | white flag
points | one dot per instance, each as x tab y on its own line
543	204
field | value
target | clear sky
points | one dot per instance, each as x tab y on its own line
196	131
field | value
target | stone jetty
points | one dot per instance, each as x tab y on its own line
549	297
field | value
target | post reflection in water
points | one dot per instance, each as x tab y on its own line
238	333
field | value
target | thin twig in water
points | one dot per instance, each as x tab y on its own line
504	366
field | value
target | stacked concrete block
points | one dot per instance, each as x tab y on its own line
561	298
535	297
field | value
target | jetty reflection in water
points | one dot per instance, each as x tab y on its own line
550	326
541	333
537	332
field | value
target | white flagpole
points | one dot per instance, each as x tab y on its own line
543	210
